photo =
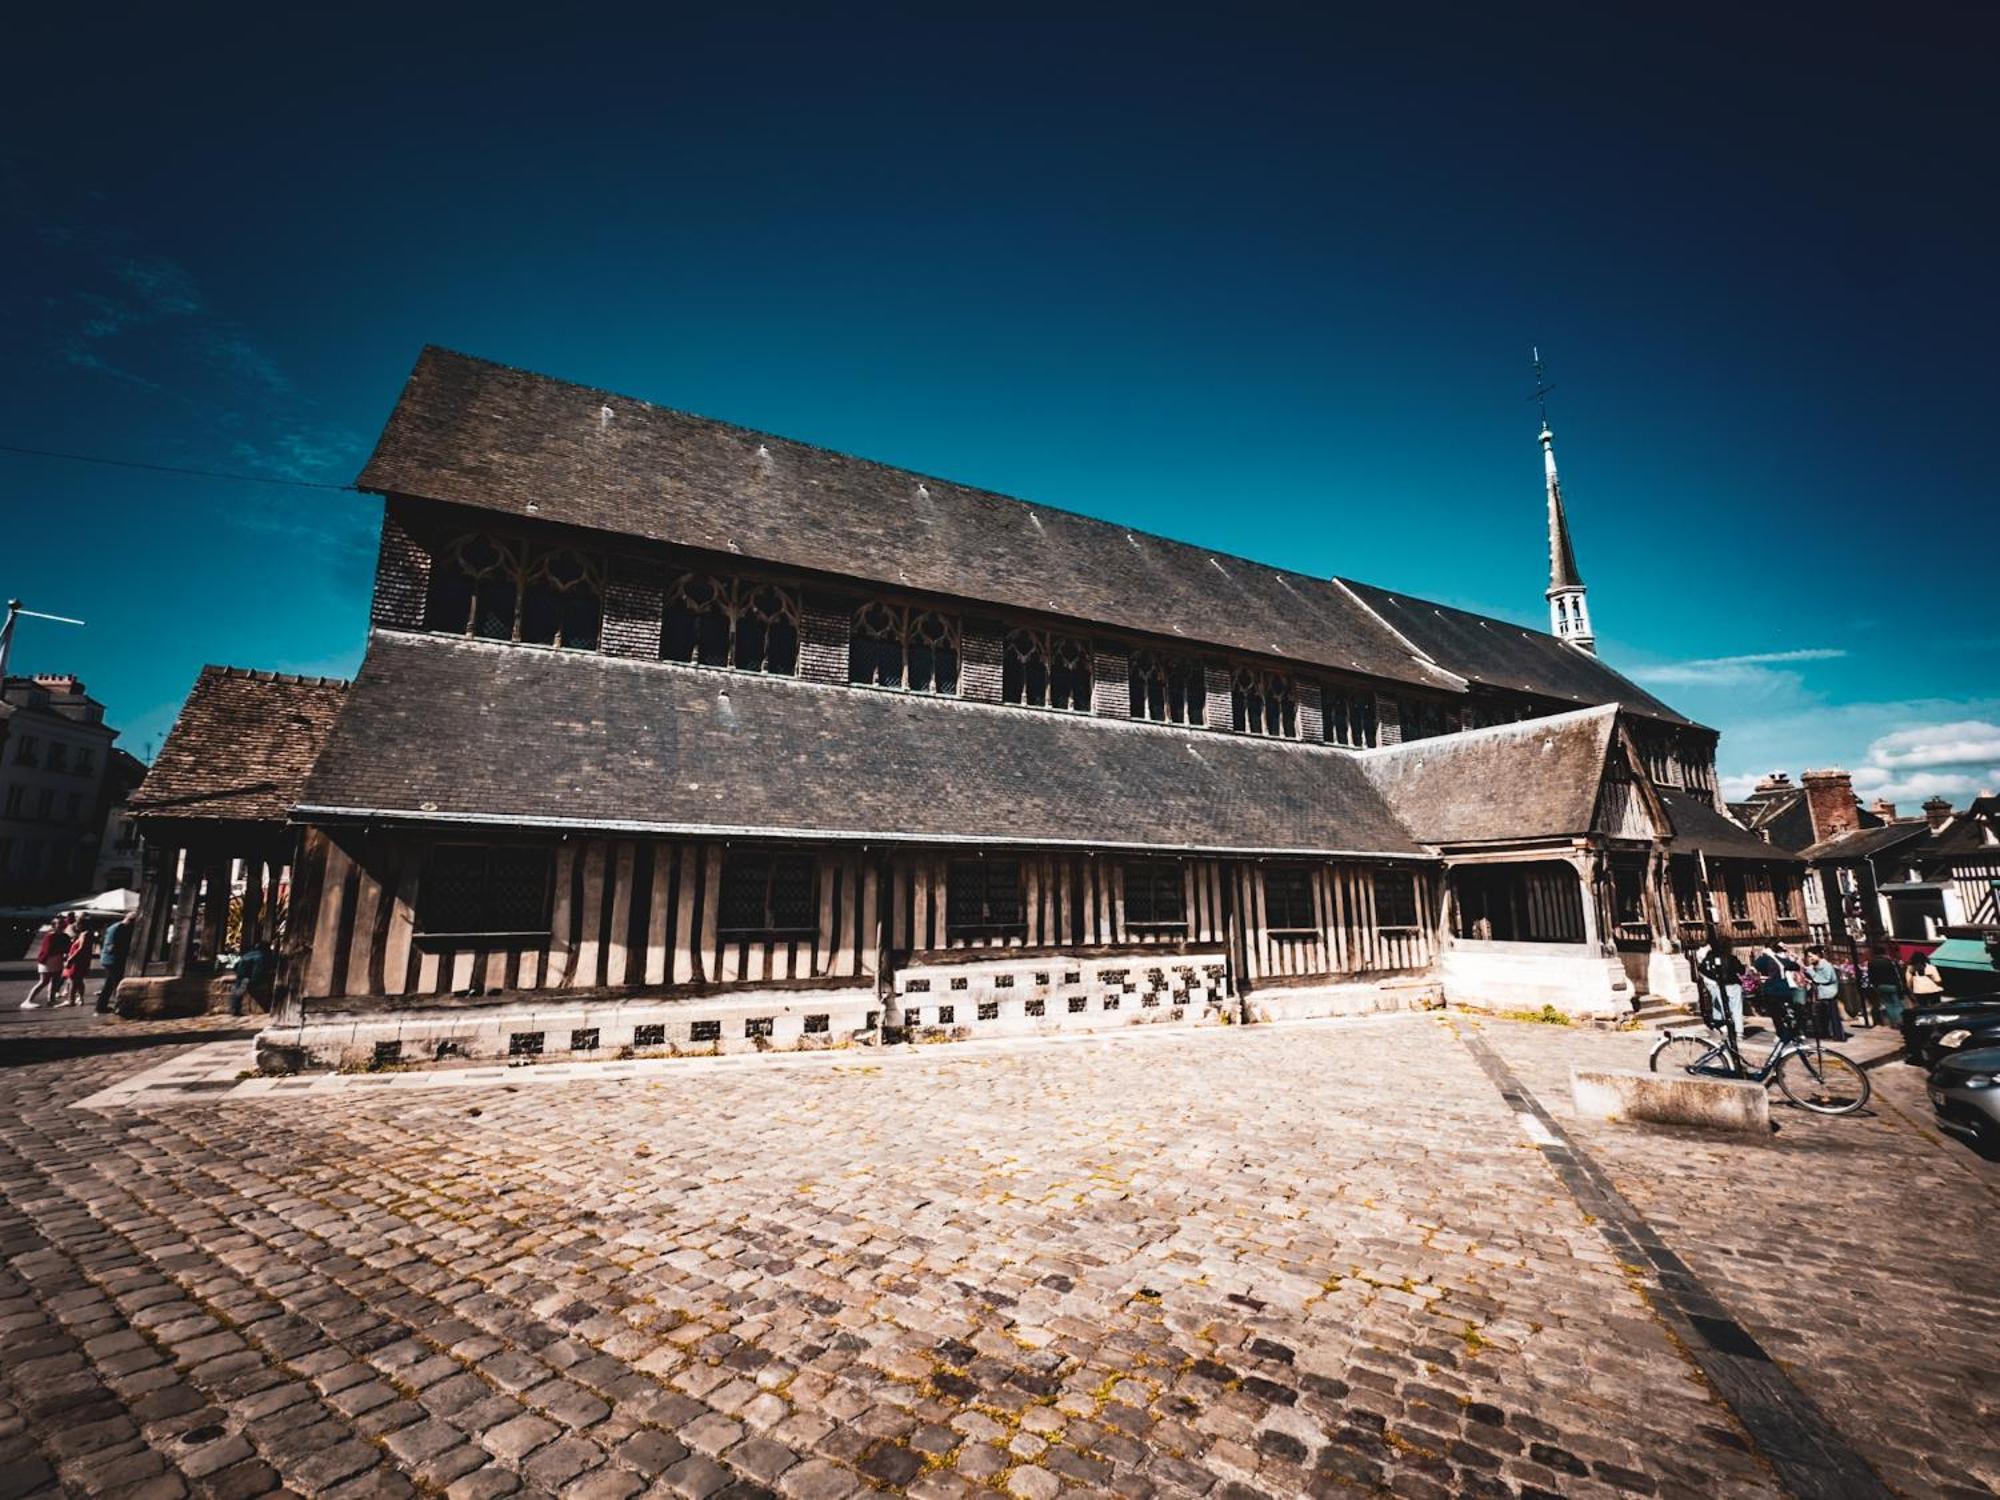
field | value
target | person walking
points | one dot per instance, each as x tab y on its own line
1825	979
1885	989
1775	995
49	953
112	949
1925	986
1722	977
76	961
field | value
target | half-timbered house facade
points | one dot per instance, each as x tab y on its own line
673	735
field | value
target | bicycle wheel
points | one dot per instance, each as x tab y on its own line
1824	1082
1678	1054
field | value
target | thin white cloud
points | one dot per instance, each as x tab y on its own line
1751	671
1966	742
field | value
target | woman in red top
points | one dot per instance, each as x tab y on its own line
75	962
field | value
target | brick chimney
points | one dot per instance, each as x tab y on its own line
1884	809
1773	783
1830	803
1937	813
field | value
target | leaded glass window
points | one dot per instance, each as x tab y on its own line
485	890
1264	703
1288	899
505	590
1395	898
1043	670
1167	689
903	646
983	898
768	891
742	623
1155	896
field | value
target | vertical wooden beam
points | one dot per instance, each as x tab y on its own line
402	927
367	903
687	963
562	952
711	897
328	921
589	942
658	913
618	947
826	935
866	942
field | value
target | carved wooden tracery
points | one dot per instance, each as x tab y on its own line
1263	703
1044	670
744	623
1167	689
505	590
903	646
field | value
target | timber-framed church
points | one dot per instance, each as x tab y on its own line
673	736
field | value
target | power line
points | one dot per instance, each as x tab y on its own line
126	463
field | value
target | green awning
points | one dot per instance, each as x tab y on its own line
1963	953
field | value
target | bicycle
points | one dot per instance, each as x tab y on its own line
1811	1075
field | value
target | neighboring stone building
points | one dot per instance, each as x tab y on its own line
671	734
118	849
55	749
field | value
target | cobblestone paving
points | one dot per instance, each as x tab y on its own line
1271	1261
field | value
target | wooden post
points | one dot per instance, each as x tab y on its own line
187	887
253	899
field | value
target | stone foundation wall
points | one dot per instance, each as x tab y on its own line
775	1020
1028	996
1342	997
1572	977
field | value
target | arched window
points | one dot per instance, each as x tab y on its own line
502	590
1042	670
1263	703
561	602
900	646
731	622
1167	689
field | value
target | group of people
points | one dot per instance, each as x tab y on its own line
63	956
1784	985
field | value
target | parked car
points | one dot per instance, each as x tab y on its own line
1935	1032
1965	1092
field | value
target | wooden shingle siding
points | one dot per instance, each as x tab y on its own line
632	606
1110	681
1312	723
982	645
826	623
402	575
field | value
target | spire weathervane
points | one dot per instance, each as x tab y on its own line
1569	614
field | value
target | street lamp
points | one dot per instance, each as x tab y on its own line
15	612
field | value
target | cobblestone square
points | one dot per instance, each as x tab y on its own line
1317	1259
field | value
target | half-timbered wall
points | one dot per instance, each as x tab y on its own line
1067	901
1345	936
1972	881
623	913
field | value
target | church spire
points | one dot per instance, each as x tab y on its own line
1569	612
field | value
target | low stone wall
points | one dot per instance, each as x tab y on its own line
521	1031
1342	997
1527	976
1671	1099
1025	996
170	996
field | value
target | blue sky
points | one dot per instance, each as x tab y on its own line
1265	281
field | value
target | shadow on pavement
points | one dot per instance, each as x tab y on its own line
19	1050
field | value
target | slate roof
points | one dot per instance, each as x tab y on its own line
1967	832
473	433
1860	843
440	729
1493	653
1700	829
242	746
1535	779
